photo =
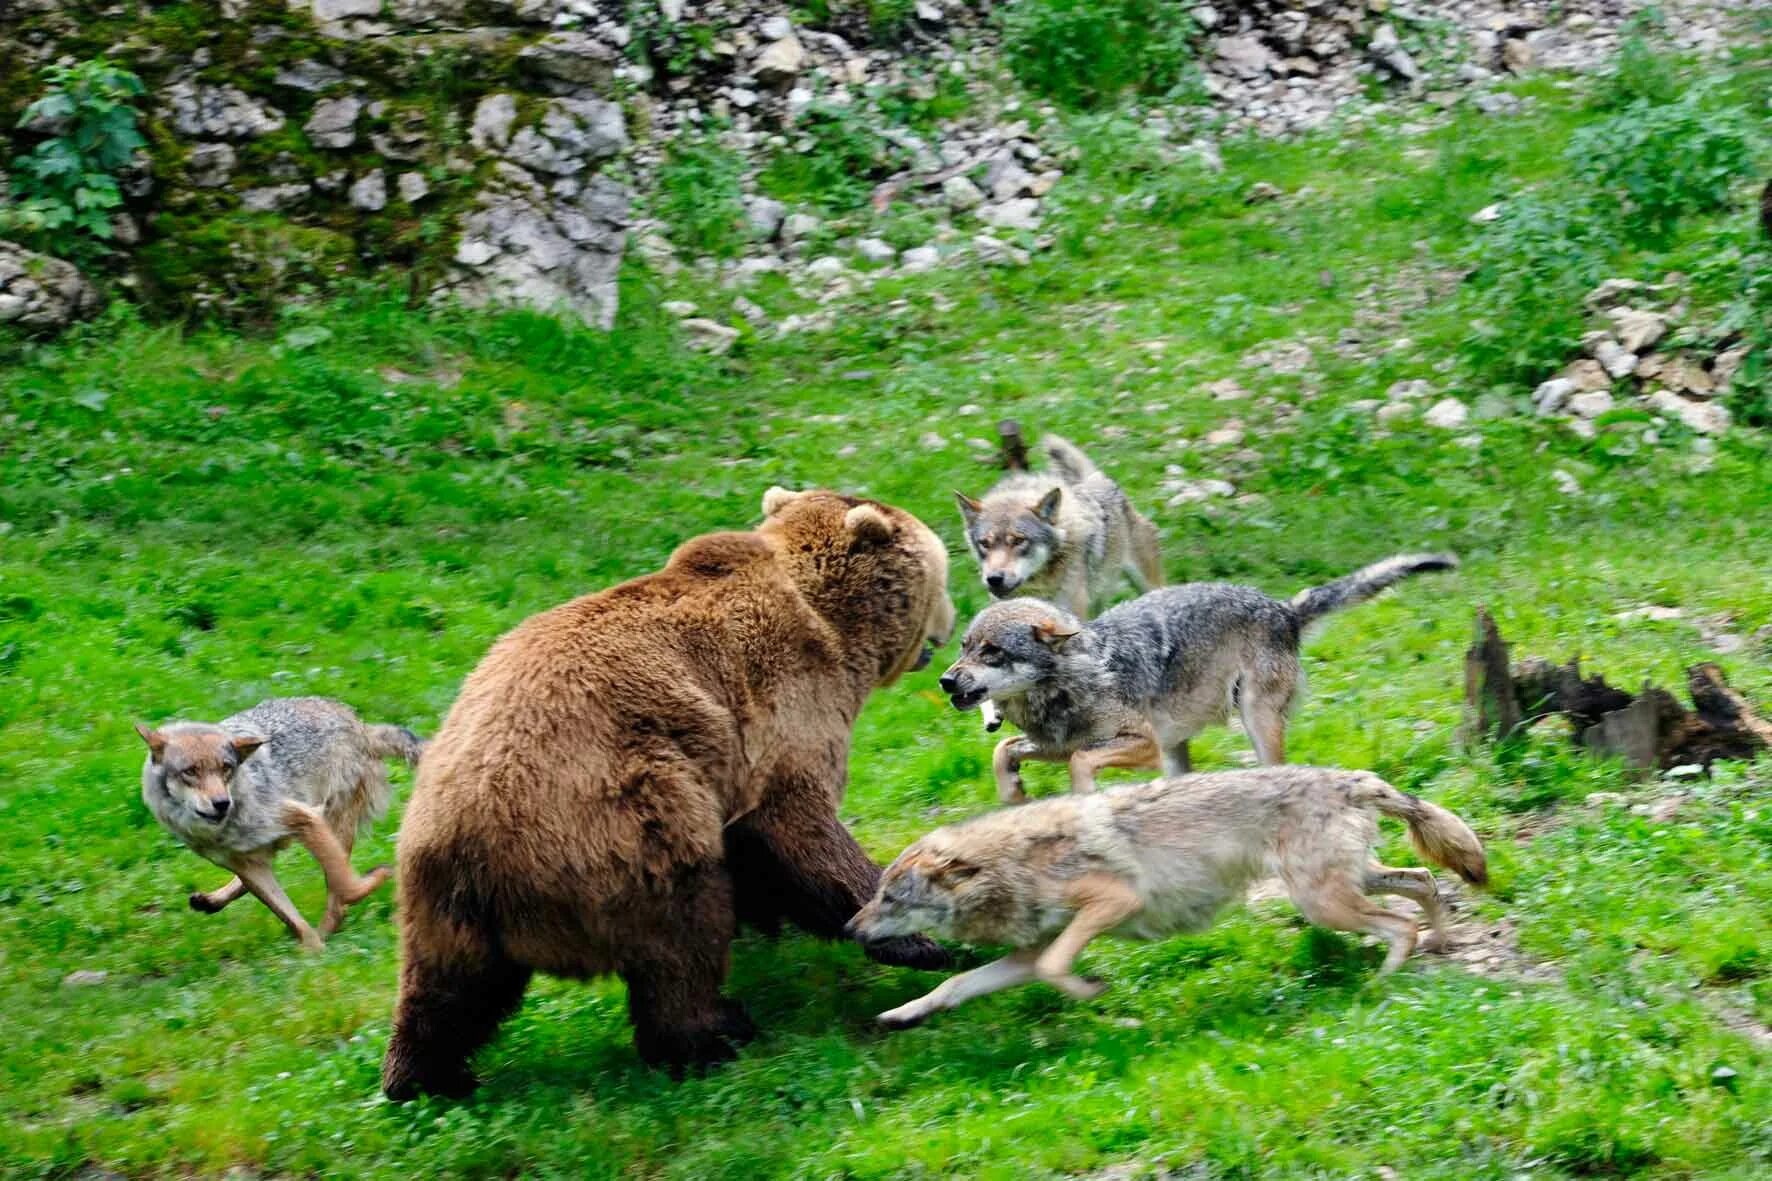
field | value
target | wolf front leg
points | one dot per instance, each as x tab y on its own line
216	899
1103	902
791	858
1122	750
264	886
1006	763
1013	969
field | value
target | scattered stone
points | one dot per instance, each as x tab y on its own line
1551	396
764	215
413	187
1487	214
493	119
996	253
919	259
210	166
1611	291
85	978
1194	491
310	76
573	133
1706	418
1409	390
1638	330
1618	361
1447	414
961	194
709	336
273	198
204	111
1224	436
876	250
334	122
572	56
1517	55
1587	375
1023	213
827	267
1590	403
781	61
1227	390
1244	57
1567	484
797	227
40	293
370	192
1262	191
678	307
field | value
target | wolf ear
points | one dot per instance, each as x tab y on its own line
245	745
156	741
969	508
778	498
1052	633
953	871
868	523
1047	509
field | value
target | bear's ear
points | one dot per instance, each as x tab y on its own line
1053	633
868	523
778	498
156	741
1047	509
969	508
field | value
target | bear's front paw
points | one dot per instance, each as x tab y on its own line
692	1051
910	951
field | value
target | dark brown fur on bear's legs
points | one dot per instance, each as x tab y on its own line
792	859
445	1014
680	1019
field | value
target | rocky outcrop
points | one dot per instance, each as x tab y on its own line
39	293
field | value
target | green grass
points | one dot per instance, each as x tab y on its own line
359	501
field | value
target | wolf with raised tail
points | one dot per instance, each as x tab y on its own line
1130	688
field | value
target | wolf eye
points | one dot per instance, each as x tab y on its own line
990	653
1017	540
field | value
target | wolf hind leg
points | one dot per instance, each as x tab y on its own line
1336	901
1122	750
218	898
1145	564
1263	706
1419	887
342	882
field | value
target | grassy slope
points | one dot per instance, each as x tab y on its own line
328	528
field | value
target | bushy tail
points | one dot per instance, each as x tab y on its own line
1318	601
1071	463
395	742
1437	834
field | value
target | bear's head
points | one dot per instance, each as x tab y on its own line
876	573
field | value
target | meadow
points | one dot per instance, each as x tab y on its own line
355	499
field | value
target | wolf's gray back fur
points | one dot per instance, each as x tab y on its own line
316	751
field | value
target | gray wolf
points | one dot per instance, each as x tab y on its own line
1148	860
1130	688
628	776
1065	534
288	769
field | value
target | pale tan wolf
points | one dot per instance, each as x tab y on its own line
288	769
1148	860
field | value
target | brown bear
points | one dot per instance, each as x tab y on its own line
626	777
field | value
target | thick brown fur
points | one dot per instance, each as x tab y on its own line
628	775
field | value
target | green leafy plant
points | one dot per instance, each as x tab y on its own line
836	159
65	190
1533	265
1660	161
1644	69
698	196
1088	53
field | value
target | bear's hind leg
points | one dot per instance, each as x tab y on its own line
674	973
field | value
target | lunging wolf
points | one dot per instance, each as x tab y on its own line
288	769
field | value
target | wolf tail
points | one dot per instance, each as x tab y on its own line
1312	604
1071	463
395	742
1437	834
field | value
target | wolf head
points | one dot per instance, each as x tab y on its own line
193	766
1009	648
1013	533
930	888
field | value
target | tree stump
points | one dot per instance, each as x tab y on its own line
1649	729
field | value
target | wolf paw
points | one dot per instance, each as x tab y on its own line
1080	988
910	951
202	903
904	1017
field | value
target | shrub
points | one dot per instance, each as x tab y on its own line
1644	69
65	190
698	197
1534	264
835	160
1161	182
1088	53
1661	161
